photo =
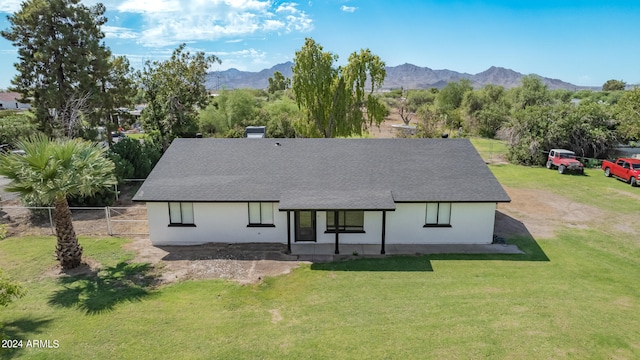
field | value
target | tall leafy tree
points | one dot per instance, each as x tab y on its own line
61	59
532	92
528	133
278	83
53	170
486	110
337	101
449	100
174	90
586	129
614	85
450	97
419	97
281	115
117	89
628	114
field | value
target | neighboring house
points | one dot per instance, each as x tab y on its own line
342	191
10	100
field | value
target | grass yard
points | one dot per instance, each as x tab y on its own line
137	136
490	149
572	296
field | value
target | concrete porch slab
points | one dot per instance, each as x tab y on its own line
326	252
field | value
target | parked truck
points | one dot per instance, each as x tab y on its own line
564	160
625	169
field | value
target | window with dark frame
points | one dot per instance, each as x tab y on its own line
181	213
348	221
438	215
261	214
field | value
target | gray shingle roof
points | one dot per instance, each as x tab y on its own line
331	173
337	199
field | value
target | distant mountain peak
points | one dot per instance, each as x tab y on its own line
407	76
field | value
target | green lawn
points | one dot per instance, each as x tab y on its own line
573	296
137	136
490	149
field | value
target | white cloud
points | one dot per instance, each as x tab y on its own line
149	6
288	7
296	20
245	60
299	23
116	32
272	25
10	6
247	4
169	22
245	53
348	9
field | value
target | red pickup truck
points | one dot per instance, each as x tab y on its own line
625	169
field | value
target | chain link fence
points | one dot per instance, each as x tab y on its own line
125	218
100	221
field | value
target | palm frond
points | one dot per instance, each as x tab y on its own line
54	168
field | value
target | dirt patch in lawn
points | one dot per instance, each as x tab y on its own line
630	195
540	213
240	263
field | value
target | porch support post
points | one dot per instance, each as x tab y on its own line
384	228
288	231
335	222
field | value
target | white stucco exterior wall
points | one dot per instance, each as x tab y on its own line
214	222
471	223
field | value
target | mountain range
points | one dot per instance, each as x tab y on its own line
405	76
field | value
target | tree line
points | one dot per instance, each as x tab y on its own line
530	117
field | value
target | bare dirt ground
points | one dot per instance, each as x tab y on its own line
540	213
240	263
386	130
125	220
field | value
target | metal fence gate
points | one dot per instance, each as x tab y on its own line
130	220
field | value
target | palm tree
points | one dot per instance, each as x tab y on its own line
52	170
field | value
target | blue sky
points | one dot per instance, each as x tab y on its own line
584	42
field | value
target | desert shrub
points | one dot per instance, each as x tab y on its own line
134	159
585	129
235	132
528	133
104	197
15	125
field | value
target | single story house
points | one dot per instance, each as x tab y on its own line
11	100
336	191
